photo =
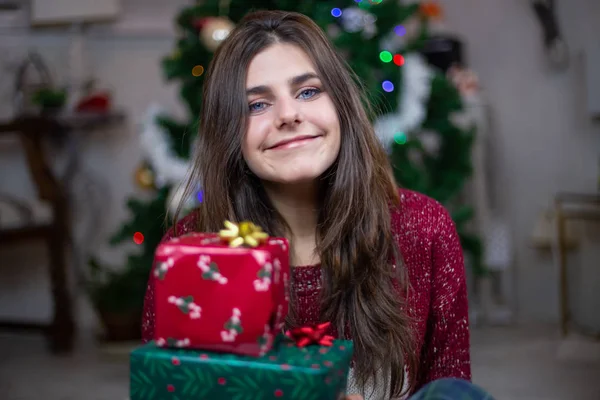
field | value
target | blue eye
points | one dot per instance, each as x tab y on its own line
258	106
309	93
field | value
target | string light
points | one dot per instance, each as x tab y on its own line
336	12
385	56
399	60
138	238
387	86
400	30
199	196
400	137
198	70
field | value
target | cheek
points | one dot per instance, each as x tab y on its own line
326	115
253	142
330	119
249	155
256	133
336	139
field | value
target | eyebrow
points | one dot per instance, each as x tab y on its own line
295	81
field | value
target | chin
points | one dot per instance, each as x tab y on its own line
297	177
293	170
302	179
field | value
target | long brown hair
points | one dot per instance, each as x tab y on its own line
354	233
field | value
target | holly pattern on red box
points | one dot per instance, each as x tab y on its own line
215	297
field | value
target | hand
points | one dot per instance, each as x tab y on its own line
354	397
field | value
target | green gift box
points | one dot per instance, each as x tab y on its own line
286	372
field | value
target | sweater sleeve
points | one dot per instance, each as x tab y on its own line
186	225
446	348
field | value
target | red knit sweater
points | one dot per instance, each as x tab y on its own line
437	300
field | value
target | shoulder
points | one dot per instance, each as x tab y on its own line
425	234
185	225
419	215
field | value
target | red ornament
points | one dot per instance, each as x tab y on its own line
308	335
431	9
222	381
200	23
175	361
171	388
138	238
278	393
98	102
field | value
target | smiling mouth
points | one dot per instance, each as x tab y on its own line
293	143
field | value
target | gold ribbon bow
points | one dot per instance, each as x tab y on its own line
246	233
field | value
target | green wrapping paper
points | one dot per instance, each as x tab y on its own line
286	372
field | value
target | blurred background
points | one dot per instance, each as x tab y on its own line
491	107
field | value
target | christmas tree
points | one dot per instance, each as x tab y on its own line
384	42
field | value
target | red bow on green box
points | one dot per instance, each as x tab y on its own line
307	335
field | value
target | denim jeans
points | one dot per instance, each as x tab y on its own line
451	389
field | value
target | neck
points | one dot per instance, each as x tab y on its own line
298	205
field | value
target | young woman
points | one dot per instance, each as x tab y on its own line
286	142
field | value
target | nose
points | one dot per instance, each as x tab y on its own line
288	113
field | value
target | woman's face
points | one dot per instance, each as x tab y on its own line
293	131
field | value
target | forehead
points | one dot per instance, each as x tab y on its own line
277	64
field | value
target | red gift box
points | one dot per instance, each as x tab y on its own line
219	298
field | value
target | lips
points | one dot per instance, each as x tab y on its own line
290	142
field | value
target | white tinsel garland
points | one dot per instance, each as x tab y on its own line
167	167
355	20
412	98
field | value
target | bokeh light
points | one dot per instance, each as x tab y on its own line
387	86
400	137
400	30
336	12
199	196
138	238
385	56
398	60
198	70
